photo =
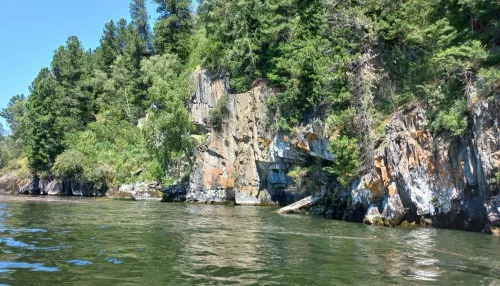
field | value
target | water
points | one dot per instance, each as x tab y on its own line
49	241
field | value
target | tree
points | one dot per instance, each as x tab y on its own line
70	69
110	47
235	33
169	125
15	114
174	27
119	98
139	15
45	133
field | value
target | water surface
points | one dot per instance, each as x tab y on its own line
49	241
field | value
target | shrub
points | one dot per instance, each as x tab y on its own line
453	119
69	165
99	176
113	151
220	113
346	164
496	179
488	82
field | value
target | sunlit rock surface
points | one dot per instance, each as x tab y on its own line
246	162
421	174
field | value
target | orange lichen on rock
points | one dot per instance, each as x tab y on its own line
265	143
301	146
227	183
311	137
393	190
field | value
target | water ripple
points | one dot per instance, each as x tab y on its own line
6	266
79	262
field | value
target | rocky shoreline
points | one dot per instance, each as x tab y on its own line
420	176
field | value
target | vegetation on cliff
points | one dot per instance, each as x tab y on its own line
101	115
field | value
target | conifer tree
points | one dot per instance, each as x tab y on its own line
70	68
45	132
174	27
109	48
139	15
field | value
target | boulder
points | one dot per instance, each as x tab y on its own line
137	191
176	193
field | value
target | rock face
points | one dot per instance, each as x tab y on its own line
11	184
245	162
176	193
420	174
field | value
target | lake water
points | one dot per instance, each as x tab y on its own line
52	241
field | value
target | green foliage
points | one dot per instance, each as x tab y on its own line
283	125
355	61
235	33
113	152
110	46
454	119
489	81
168	127
496	179
75	101
15	115
9	151
174	28
45	130
69	165
220	113
346	153
139	15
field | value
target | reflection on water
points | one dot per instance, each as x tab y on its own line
98	242
10	266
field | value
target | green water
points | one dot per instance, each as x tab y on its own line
102	242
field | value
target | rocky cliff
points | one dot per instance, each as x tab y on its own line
244	161
420	176
427	177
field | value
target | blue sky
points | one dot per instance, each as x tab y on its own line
33	29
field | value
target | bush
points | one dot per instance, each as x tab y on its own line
113	152
488	82
69	165
346	152
99	176
454	119
496	179
220	113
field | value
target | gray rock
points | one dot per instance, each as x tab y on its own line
176	193
52	188
137	191
420	173
245	163
10	183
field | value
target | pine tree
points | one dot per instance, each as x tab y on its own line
45	133
70	67
109	48
174	27
15	115
139	15
122	31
